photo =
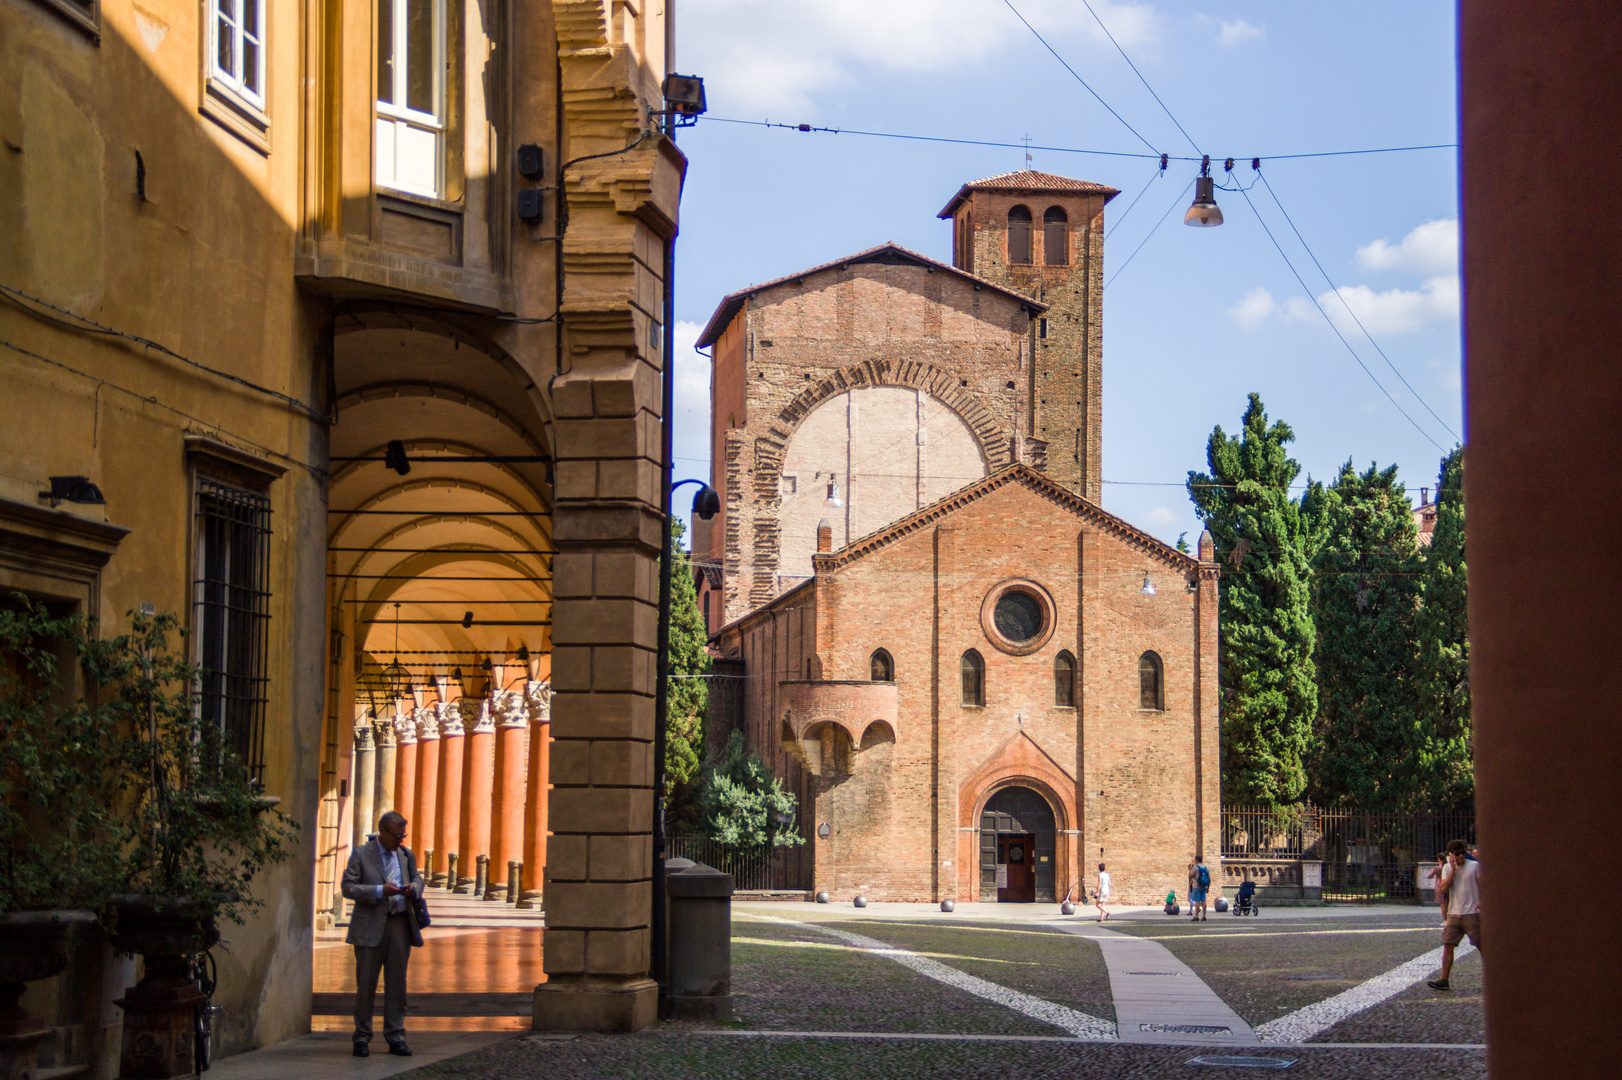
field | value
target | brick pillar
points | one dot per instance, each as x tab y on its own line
448	829
536	804
507	830
478	791
364	784
405	767
383	795
424	828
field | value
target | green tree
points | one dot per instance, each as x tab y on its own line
1365	739
1269	686
689	695
1443	663
742	803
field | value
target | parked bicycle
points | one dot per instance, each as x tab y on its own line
204	975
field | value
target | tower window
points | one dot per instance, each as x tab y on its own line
1056	237
974	678
881	668
1019	235
1041	328
1151	692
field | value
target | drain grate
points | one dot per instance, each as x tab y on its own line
1187	1029
1243	1062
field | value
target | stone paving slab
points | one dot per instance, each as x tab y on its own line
1158	998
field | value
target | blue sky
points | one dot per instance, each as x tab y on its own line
1198	317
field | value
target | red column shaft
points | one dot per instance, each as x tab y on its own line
448	829
508	839
428	793
540	773
405	777
478	791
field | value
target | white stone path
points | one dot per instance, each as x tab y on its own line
1158	998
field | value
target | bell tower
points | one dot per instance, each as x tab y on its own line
1043	235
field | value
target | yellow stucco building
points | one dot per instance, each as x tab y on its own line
255	257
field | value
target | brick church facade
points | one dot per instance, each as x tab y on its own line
979	683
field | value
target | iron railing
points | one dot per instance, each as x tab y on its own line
752	869
1367	855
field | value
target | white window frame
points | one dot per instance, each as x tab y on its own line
398	114
233	80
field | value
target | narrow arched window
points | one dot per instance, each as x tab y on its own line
1056	237
1151	688
882	668
974	679
1019	235
1064	680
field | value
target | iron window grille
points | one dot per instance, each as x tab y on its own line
231	617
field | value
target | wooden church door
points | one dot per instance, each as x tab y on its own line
1016	871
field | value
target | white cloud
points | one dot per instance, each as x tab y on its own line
1162	515
765	58
1429	248
1395	311
1256	308
1232	33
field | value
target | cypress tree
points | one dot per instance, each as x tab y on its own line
1443	665
1365	739
1269	689
689	695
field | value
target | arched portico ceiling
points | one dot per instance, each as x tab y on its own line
437	498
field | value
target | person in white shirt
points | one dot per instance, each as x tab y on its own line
1102	895
1462	890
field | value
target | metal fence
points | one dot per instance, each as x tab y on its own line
1367	855
769	869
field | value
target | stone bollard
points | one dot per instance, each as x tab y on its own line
450	871
481	876
515	871
700	942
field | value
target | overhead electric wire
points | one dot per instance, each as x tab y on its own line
1078	77
1349	311
1277	246
815	129
91	326
1152	178
1139	74
1178	202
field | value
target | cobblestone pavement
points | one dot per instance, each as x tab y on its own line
809	1004
671	1052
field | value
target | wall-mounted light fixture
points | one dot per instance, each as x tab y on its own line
73	489
1148	586
394	457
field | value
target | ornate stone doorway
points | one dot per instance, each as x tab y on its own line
1018	847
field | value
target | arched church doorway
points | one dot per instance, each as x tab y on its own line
1018	847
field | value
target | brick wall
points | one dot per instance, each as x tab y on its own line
903	806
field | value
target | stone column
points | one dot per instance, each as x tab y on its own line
478	791
448	829
387	748
405	765
427	802
539	795
507	834
364	783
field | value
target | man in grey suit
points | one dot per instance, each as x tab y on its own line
383	882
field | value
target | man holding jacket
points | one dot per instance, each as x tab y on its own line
383	882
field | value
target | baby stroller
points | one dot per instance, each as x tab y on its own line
1244	902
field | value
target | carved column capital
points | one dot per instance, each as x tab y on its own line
486	721
539	695
363	736
405	728
450	720
512	707
427	722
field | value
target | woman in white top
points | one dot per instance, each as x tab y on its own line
1102	895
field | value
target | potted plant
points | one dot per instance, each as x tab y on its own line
62	836
202	830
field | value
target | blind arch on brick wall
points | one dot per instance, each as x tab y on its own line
1064	679
1151	682
1019	235
972	668
1056	237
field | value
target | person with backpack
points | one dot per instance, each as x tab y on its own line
1199	880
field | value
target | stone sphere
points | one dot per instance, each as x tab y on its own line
861	901
948	905
1067	908
823	898
1221	904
